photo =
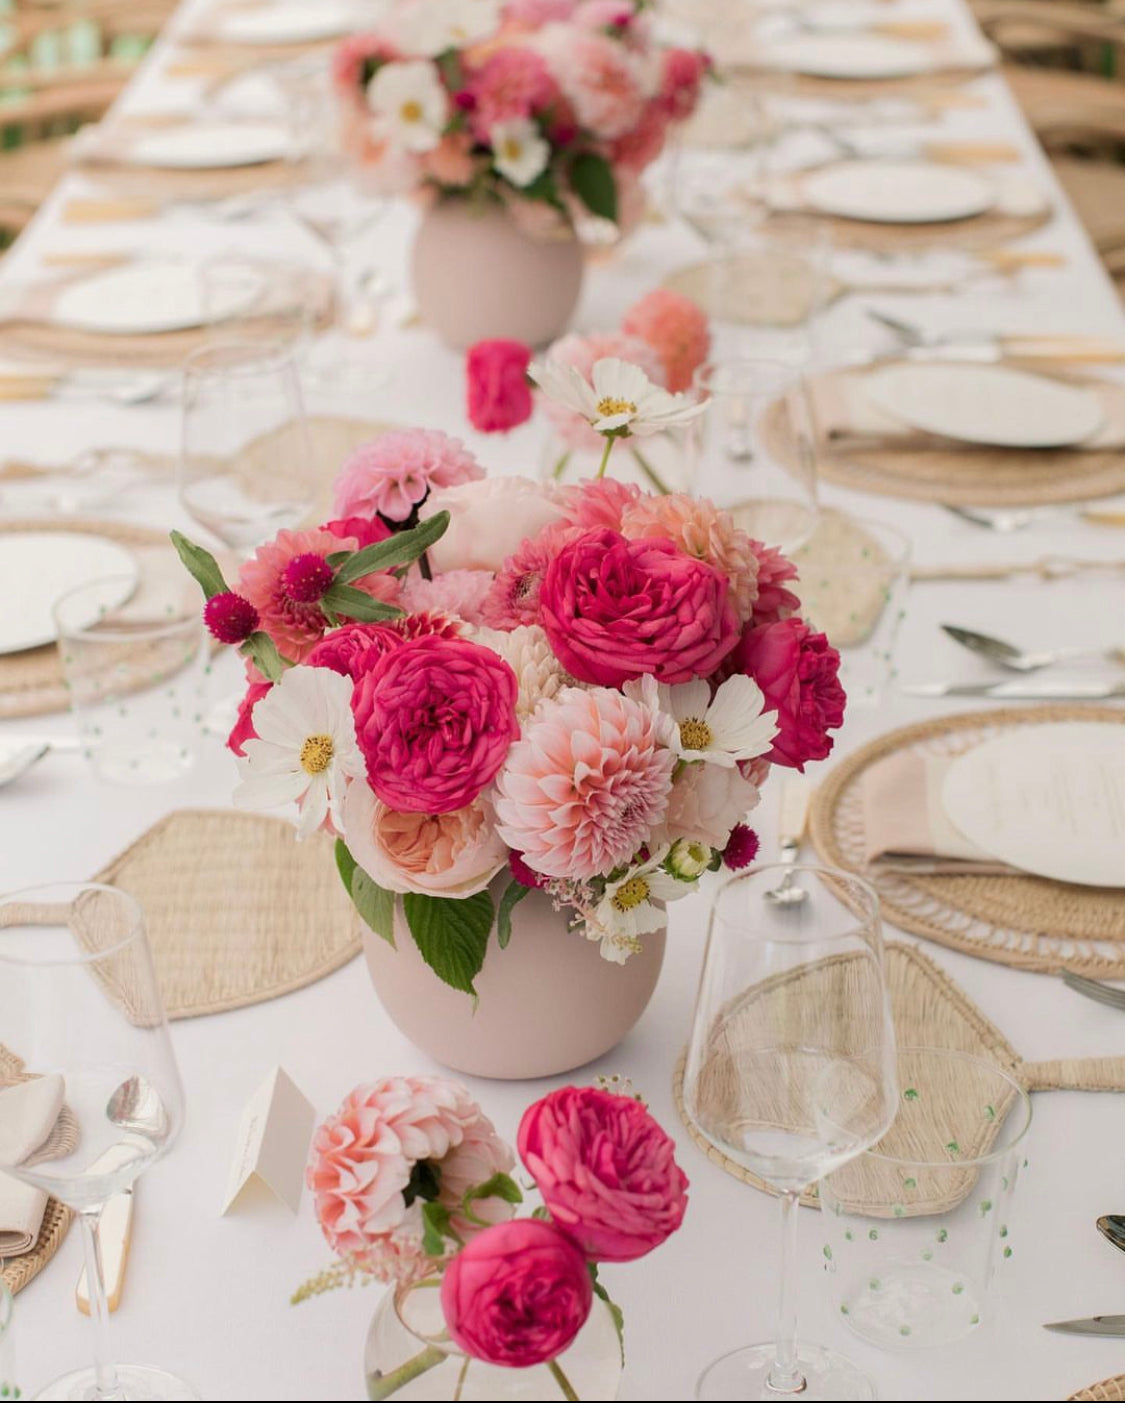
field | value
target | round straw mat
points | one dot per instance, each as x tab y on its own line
16	1272
1027	922
1106	1391
986	230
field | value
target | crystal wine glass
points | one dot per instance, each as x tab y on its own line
79	1000
791	1074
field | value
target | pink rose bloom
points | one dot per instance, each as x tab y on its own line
774	600
452	854
434	721
706	802
354	649
516	1295
351	57
513	595
599	77
451	162
583	353
366	531
677	331
642	144
601	501
606	1170
243	729
701	530
580	794
498	390
681	81
797	671
489	521
615	609
393	474
458	593
536	13
510	84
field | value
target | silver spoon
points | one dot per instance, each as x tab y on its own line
793	816
1112	1228
137	1109
1007	655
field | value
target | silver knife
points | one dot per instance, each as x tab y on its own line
1093	1325
1074	690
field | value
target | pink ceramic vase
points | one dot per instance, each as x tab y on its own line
477	275
548	1003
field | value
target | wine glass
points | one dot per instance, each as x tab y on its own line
791	1073
79	1000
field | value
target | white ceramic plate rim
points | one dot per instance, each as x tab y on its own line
210	146
29	624
118	301
955	193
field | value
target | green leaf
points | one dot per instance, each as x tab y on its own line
614	1309
201	564
451	935
436	1228
375	904
262	652
591	178
499	1186
514	893
354	604
403	548
345	864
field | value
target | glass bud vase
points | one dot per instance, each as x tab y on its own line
409	1356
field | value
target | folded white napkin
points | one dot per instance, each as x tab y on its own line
29	1115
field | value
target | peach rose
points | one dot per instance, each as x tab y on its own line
489	520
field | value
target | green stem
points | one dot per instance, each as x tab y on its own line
650	472
560	466
385	1385
458	1392
563	1382
609	442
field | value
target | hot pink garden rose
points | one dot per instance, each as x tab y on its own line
498	389
243	729
354	649
517	1294
797	672
435	721
615	609
606	1170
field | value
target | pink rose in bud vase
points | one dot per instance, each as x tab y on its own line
498	388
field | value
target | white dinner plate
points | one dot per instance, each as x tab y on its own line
1048	799
288	22
897	192
211	146
849	56
38	567
141	299
842	16
988	404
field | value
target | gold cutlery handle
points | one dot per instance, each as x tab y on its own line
972	153
108	211
920	29
25	387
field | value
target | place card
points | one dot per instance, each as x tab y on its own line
273	1144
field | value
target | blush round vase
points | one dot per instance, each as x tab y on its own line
547	1004
477	276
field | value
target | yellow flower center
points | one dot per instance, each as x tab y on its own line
512	149
630	894
695	734
411	111
316	754
608	406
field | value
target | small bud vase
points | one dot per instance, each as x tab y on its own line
409	1356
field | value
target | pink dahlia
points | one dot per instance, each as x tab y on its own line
599	501
583	353
580	794
458	593
615	609
774	601
354	649
434	721
700	530
677	331
599	77
393	474
429	623
511	83
513	595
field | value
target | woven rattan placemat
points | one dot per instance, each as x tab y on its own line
1026	922
931	1010
1105	1391
987	230
237	910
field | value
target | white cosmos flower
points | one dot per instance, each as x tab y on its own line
724	729
305	749
627	910
412	102
431	27
519	151
621	401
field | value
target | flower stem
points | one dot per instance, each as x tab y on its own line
458	1392
609	442
560	466
651	473
560	1378
386	1385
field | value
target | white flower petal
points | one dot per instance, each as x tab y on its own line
690	699
269	791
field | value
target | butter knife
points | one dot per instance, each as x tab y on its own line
1075	690
115	1229
1092	1325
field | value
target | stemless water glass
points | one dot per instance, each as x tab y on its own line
79	999
791	1073
251	299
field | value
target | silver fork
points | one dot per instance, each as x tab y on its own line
1095	989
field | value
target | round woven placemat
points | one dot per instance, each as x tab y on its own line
1026	922
16	1272
984	231
1106	1390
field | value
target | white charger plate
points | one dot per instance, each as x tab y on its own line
38	567
141	299
992	405
897	192
1049	800
288	22
855	56
210	146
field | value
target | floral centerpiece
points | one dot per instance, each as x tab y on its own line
490	689
414	1188
537	117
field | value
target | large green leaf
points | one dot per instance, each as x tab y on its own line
374	903
262	652
451	935
201	564
514	893
403	548
591	178
354	604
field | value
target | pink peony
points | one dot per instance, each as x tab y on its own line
434	721
797	671
583	352
581	792
599	78
517	1295
498	390
681	82
354	649
702	531
489	521
451	162
366	531
393	474
458	594
606	1170
510	84
677	331
774	600
513	595
450	854
614	609
706	804
243	729
599	501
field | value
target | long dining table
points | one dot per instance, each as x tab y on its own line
207	1295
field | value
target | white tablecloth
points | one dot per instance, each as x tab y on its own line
206	1296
